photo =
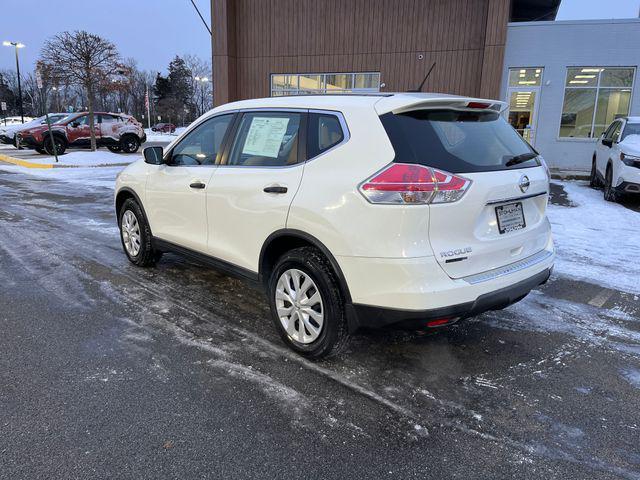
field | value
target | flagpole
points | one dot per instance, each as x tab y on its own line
147	102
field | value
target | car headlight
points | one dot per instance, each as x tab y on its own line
630	160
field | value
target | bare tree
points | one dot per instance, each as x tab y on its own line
84	59
202	97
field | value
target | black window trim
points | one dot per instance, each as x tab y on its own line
166	158
302	139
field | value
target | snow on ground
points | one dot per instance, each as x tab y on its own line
596	241
163	137
85	158
92	176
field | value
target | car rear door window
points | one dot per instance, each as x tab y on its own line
266	139
457	141
324	132
202	145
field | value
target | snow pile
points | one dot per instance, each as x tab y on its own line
596	241
161	137
87	158
86	177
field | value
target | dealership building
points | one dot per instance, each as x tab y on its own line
564	82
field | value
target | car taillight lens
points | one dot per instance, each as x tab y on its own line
403	183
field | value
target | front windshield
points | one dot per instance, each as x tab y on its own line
66	118
630	129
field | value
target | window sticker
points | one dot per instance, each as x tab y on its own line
265	136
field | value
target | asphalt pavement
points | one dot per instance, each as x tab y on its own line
111	371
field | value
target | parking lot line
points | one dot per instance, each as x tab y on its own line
24	163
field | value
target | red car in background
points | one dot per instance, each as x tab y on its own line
116	131
164	128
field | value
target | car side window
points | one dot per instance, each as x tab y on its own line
607	132
108	119
83	120
202	145
616	131
324	132
266	139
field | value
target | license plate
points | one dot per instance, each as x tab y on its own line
510	217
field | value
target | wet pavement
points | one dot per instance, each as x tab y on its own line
111	371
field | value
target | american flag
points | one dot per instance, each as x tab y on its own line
146	99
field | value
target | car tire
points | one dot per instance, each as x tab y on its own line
129	144
114	148
593	178
610	193
41	151
314	330
135	235
60	144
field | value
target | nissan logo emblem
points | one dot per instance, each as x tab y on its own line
524	183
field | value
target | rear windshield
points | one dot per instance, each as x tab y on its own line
457	141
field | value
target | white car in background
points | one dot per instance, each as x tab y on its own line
616	159
349	210
8	134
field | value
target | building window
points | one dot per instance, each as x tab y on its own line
523	95
321	83
525	77
593	98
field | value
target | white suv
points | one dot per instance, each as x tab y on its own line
349	210
616	159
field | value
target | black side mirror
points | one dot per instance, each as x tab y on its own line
75	124
153	155
607	142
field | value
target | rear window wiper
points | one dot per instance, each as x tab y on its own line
515	160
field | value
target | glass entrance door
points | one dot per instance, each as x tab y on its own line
523	96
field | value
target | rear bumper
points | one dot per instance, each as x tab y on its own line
392	291
377	317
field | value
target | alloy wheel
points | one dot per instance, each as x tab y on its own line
130	145
299	306
130	229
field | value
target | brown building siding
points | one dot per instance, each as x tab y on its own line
254	38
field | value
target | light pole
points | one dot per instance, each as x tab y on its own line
17	45
202	81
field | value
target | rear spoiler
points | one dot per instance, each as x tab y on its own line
451	102
466	104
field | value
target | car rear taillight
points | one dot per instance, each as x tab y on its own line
403	183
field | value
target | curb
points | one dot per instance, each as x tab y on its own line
570	176
27	164
23	163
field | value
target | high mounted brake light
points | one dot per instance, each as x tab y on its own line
403	183
481	105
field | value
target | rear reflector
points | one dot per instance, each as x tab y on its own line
439	322
403	183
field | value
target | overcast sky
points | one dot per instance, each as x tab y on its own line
151	31
154	31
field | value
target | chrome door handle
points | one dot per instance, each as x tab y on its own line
275	189
198	185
